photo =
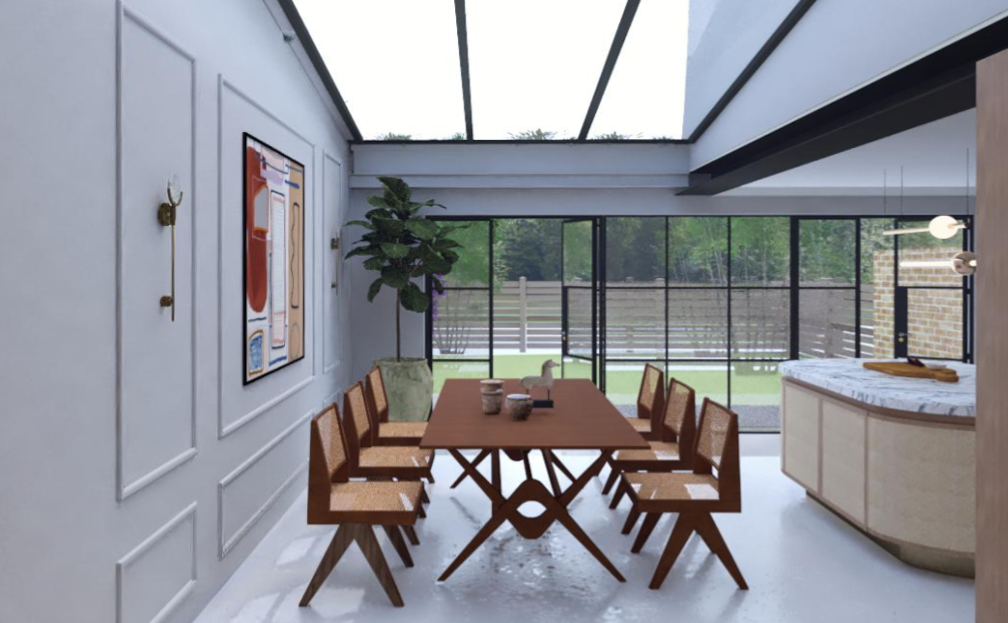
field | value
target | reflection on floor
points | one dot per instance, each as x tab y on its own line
802	563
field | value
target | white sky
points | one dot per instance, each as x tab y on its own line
533	64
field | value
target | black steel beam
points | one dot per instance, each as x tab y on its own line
936	86
614	51
750	69
316	59
463	48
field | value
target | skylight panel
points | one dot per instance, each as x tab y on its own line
534	64
646	95
395	63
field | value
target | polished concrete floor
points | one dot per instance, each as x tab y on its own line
803	564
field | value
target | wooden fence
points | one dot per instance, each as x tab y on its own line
527	315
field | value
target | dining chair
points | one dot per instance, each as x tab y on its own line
379	462
675	449
694	496
385	433
355	507
650	404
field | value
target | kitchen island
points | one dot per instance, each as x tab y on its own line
892	456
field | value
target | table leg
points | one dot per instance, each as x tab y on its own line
479	459
554	483
531	527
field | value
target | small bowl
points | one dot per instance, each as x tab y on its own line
492	401
519	406
491	385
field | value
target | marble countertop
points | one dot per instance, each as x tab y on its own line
849	378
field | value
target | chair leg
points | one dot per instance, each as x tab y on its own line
613	476
677	541
479	459
430	478
368	543
395	536
621	490
421	513
423	496
631	520
337	547
528	466
650	521
709	532
411	535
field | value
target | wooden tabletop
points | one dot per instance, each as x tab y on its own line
582	419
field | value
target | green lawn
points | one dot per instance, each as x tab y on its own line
749	387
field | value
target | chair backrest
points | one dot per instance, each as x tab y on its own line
377	399
717	447
680	418
651	397
357	422
327	459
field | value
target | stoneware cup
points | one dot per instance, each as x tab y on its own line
519	406
491	385
493	400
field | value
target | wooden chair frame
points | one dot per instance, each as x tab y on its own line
685	437
655	411
353	526
695	515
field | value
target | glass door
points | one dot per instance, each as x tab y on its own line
579	303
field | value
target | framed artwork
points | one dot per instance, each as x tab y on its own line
273	259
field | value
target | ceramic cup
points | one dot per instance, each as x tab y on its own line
493	400
519	406
491	385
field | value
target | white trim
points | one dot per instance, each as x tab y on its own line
124	489
225	546
123	564
328	229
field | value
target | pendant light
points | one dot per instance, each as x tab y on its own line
942	227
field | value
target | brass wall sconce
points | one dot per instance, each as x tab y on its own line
166	214
334	245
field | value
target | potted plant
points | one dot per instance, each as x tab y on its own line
404	246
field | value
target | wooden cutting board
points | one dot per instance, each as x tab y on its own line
897	368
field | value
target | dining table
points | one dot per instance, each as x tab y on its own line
581	418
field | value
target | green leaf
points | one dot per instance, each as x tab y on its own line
399	189
450	256
443	244
373	290
364	224
395	277
379	202
422	228
438	286
368	250
394	250
375	263
413	298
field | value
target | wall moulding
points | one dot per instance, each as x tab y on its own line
226	89
227	542
126	487
126	562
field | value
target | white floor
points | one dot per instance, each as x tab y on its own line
801	562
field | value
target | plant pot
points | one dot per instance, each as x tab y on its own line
409	386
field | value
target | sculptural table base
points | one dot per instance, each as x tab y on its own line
555	502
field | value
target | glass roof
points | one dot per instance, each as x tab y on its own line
646	94
533	65
395	62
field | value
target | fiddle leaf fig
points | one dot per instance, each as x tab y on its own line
404	246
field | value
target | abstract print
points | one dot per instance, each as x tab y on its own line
273	258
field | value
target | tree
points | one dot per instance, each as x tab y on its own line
404	246
533	135
393	136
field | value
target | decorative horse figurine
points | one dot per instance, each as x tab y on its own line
545	380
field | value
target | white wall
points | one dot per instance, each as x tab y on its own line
495	180
121	487
838	46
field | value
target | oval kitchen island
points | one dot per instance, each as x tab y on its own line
892	456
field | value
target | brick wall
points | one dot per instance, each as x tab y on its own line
935	323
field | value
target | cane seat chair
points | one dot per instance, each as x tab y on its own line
355	507
379	462
675	449
694	496
385	433
650	404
